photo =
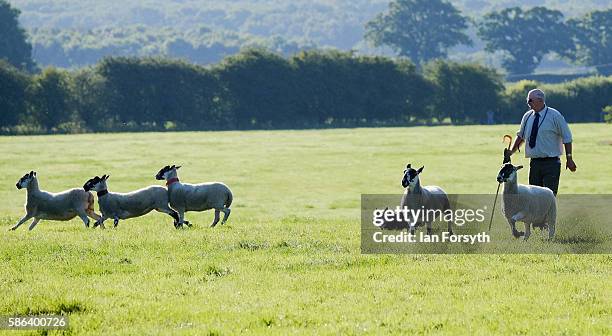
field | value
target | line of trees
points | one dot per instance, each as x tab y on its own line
420	30
76	48
257	89
423	30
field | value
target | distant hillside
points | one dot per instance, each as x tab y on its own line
75	48
69	33
336	23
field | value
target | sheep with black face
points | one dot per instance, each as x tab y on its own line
61	206
129	205
533	205
185	197
427	198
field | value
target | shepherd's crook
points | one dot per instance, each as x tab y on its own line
493	211
509	137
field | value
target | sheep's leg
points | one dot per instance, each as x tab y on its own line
551	220
515	232
226	213
115	221
517	217
172	213
187	223
551	228
216	220
181	215
527	231
84	218
411	228
100	222
89	207
429	229
34	222
450	228
182	218
21	221
91	213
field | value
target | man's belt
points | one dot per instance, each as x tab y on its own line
552	158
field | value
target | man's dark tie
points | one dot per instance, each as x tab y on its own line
534	130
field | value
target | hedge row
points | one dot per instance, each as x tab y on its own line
260	90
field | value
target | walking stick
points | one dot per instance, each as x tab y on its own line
509	137
493	211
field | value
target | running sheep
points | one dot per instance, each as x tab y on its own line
62	206
195	197
532	205
416	197
128	205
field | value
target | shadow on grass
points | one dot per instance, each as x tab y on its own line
577	240
252	245
59	308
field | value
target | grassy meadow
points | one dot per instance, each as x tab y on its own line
288	261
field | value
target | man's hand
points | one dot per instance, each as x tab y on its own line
569	164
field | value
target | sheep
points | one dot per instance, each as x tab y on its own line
532	205
196	197
62	206
432	198
134	204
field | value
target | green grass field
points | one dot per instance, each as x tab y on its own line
288	261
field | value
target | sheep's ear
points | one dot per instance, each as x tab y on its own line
420	170
177	167
31	173
519	167
408	166
34	173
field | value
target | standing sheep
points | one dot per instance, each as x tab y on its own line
134	204
62	206
532	205
196	197
428	198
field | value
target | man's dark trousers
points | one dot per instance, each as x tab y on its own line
545	172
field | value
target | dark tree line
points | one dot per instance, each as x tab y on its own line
257	89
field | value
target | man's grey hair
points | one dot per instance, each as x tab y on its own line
537	93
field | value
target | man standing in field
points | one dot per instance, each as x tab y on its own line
546	132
